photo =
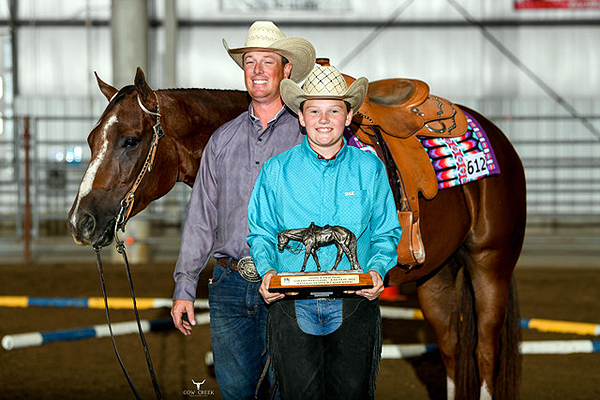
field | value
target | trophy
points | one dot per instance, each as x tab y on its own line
319	283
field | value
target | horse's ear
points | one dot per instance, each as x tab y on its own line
107	90
141	85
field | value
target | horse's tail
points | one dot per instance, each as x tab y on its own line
508	368
466	377
510	360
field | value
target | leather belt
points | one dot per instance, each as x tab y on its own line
245	267
224	262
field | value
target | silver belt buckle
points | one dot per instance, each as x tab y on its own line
247	270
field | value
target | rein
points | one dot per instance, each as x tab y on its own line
294	250
121	220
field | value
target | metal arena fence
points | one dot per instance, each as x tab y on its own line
43	156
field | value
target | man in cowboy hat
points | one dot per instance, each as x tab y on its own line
324	348
217	224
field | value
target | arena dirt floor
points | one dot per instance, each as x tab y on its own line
88	369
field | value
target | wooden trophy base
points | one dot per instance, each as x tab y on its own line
325	284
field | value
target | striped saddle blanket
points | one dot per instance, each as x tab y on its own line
464	159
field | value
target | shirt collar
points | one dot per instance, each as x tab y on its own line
320	157
256	121
316	157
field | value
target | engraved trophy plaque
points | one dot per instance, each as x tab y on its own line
316	284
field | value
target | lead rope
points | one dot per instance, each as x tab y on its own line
112	337
121	250
121	220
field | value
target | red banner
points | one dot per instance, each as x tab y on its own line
568	4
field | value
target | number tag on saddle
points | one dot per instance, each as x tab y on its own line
476	164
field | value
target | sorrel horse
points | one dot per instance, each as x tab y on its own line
472	233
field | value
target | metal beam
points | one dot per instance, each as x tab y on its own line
13	10
187	23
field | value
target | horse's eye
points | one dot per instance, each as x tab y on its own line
130	142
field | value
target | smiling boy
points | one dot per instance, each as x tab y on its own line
324	348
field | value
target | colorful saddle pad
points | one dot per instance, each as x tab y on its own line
464	159
456	161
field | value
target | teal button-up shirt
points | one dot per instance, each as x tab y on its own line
298	187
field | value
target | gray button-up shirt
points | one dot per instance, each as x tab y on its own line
217	219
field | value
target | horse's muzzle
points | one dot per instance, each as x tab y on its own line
85	231
106	237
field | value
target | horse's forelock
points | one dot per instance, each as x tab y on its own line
118	97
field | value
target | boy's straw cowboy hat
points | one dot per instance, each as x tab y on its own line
266	36
324	83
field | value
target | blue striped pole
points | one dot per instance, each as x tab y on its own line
143	303
400	351
388	351
560	347
22	340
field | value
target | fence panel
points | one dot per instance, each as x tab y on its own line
561	158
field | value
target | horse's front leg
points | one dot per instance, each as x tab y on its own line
307	252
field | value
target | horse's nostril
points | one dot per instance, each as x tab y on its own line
86	225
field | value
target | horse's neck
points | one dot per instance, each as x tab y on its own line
297	234
192	115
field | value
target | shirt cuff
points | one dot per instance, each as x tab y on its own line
185	291
377	268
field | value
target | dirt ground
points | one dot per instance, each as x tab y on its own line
88	369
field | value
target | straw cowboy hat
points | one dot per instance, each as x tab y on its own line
324	83
266	36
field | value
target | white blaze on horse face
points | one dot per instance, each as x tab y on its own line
90	173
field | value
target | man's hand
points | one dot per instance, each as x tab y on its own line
377	288
264	289
178	310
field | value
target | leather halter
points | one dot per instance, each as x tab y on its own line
129	199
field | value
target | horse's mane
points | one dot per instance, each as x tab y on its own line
126	90
118	96
207	89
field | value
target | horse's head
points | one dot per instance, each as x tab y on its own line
282	241
120	143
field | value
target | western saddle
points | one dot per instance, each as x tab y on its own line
393	114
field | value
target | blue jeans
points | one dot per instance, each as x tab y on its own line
238	320
319	316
